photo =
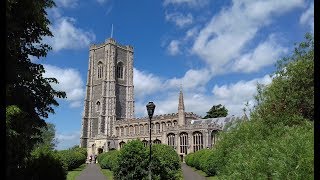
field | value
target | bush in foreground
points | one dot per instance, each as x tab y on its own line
45	164
109	160
165	162
72	159
132	162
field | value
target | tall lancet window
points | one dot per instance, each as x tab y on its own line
120	70
100	70
98	106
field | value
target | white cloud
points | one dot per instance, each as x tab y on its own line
67	3
69	81
67	35
145	83
190	3
233	96
179	19
193	79
225	37
67	140
173	47
266	53
307	18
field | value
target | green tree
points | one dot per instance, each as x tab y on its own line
217	111
47	137
29	96
132	162
291	93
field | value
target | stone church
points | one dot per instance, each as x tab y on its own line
108	121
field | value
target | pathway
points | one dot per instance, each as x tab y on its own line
91	172
190	174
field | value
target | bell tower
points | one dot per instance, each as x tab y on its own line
109	89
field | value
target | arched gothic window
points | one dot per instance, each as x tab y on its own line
145	143
171	140
183	142
157	127
98	106
130	129
141	129
175	123
157	141
121	131
120	70
163	126
117	131
214	137
121	144
100	70
136	129
197	141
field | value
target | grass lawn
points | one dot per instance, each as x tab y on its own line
107	173
204	174
74	173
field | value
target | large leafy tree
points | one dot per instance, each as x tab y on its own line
291	93
217	111
29	96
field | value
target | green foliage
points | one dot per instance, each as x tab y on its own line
26	88
277	142
217	111
291	93
101	156
286	153
45	164
165	162
132	162
109	160
72	159
80	150
47	136
189	159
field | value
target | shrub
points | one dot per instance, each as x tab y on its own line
109	161
45	164
165	162
72	159
101	156
189	159
132	162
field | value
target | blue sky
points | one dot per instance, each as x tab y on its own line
217	49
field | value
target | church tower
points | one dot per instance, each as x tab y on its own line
181	110
109	89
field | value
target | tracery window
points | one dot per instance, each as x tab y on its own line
183	142
130	130
136	129
121	131
175	123
141	129
163	126
119	70
197	141
157	141
121	144
117	131
157	127
100	70
145	143
214	137
152	128
171	140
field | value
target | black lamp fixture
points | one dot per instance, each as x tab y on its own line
150	109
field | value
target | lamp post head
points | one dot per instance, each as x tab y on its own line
150	108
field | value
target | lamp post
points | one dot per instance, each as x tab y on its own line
150	109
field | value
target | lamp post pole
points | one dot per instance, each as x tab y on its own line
150	108
150	149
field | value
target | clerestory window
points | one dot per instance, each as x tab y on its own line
120	70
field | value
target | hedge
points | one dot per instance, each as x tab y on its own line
72	159
45	164
109	160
